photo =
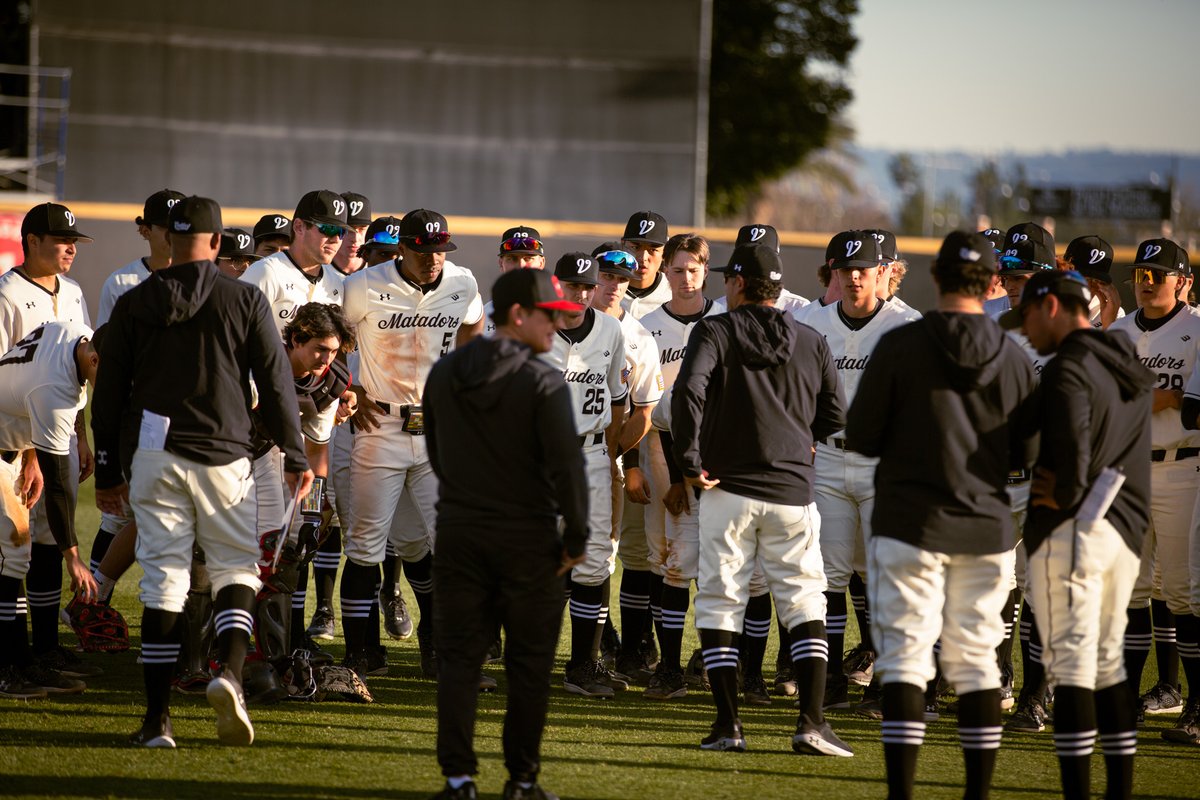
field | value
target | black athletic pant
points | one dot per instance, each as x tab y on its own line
482	579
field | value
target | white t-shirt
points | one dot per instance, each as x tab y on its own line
592	369
24	305
40	390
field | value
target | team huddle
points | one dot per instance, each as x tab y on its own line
1020	464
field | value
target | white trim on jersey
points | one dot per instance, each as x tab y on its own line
287	287
1172	353
24	305
592	369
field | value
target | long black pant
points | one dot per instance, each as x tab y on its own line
482	579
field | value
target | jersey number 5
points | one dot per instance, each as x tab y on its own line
22	352
593	401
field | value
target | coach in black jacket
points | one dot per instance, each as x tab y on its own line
172	407
945	404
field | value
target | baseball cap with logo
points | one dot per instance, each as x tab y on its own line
1030	231
383	234
1025	257
158	207
272	225
426	232
358	209
1163	255
51	219
1060	283
236	243
195	215
754	261
853	250
322	207
604	247
887	243
963	247
616	262
757	233
646	227
576	267
996	237
531	288
1091	256
521	240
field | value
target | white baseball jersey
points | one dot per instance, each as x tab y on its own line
660	292
995	309
1094	312
788	301
24	305
118	284
317	426
670	333
1171	354
288	287
489	326
40	390
642	377
802	313
402	331
592	368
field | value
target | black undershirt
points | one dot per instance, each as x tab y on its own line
858	323
577	335
633	291
425	288
689	318
313	279
1154	324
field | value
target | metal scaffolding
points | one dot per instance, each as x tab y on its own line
36	165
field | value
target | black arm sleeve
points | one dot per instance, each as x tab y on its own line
59	497
111	395
831	404
672	465
1190	411
276	389
631	459
688	394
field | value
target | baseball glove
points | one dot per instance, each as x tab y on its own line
345	682
100	628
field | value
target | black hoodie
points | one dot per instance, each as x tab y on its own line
946	404
502	441
184	344
754	390
1095	408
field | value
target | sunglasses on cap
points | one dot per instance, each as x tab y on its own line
427	239
383	237
327	229
617	258
1012	262
1154	277
521	244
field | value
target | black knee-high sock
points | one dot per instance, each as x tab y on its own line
233	617
43	587
299	596
325	567
420	578
1166	652
160	651
585	605
391	571
810	664
1138	636
656	586
903	733
1074	738
783	658
99	548
358	591
1031	658
1187	630
14	641
601	619
1118	737
373	619
756	630
862	610
720	651
635	608
1004	652
674	613
979	732
835	626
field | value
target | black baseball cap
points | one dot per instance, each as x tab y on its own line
1164	255
521	240
157	208
531	288
616	262
272	225
887	243
426	232
646	227
996	237
236	243
383	234
605	247
754	261
51	219
358	209
757	233
1060	283
195	215
1025	257
322	207
1091	256
1030	231
964	247
575	267
853	250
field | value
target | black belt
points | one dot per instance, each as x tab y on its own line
591	439
1018	476
837	443
411	413
9	456
1180	454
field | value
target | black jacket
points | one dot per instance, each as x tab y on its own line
754	390
502	441
946	404
1095	405
184	344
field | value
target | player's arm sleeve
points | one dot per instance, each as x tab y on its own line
563	457
58	495
617	390
1190	409
646	388
870	413
830	416
317	426
1066	432
354	298
688	393
273	377
474	313
108	298
7	340
114	380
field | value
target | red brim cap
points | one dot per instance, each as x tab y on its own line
560	305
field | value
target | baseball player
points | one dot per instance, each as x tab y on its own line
407	313
1092	257
236	253
645	237
760	233
845	481
589	349
1083	560
945	405
833	288
303	273
348	259
180	436
33	293
41	392
272	233
995	302
892	268
520	248
1167	339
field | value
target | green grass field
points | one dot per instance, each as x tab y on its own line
619	749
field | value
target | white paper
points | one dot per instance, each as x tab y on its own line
153	433
1100	497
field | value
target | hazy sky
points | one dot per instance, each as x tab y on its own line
1027	75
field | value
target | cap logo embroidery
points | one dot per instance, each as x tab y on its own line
243	241
853	246
280	222
992	232
1097	256
171	201
392	230
1011	253
776	276
70	217
583	264
1151	251
645	226
1019	237
967	254
356	207
520	235
339	208
183	226
433	227
757	233
877	237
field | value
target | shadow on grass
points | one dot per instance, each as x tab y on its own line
117	786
